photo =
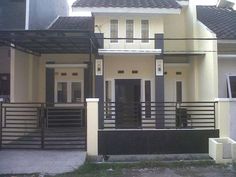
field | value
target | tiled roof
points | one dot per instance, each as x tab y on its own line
73	23
221	21
128	3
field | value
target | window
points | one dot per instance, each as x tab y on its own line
148	99
114	31
129	30
76	92
179	91
61	92
231	85
68	92
145	31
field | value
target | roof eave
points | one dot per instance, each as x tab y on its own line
115	10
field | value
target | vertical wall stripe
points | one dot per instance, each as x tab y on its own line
159	84
50	84
99	85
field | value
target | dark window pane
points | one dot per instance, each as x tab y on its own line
61	92
233	86
76	92
179	91
148	99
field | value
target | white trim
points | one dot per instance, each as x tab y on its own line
226	41
177	64
125	10
111	43
127	43
184	53
92	99
183	3
27	8
149	31
66	65
130	51
225	99
227	56
69	89
50	25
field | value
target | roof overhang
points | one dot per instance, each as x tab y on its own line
50	41
122	10
129	51
190	53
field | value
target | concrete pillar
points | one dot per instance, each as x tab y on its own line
92	126
159	81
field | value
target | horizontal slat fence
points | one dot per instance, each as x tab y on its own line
160	115
29	126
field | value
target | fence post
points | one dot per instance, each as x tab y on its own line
42	125
0	125
92	126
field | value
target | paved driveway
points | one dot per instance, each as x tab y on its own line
34	161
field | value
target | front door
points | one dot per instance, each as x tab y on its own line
128	108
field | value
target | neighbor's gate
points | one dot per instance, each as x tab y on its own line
36	126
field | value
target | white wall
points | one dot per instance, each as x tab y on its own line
226	67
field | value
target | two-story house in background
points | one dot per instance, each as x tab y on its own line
20	15
153	64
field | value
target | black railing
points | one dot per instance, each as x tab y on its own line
38	126
160	115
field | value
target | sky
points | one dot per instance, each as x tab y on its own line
204	2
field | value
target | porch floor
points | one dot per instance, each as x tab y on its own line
44	162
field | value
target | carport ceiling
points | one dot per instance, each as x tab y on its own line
50	41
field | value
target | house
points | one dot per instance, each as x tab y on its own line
24	14
149	63
220	21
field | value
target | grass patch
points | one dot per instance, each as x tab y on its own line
115	169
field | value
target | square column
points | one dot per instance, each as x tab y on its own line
159	82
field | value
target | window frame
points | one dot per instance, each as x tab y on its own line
114	41
145	41
126	31
229	94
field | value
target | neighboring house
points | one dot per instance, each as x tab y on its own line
220	20
155	79
20	15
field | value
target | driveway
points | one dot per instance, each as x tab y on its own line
34	161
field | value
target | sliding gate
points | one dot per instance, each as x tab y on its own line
36	126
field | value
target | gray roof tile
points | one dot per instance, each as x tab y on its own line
73	23
128	3
221	21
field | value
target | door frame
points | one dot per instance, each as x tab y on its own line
69	83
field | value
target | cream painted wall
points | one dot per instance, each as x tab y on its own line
175	27
171	78
207	65
155	26
145	65
28	76
20	76
225	67
59	59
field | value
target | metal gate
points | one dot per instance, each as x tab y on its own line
35	126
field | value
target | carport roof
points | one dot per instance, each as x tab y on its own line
50	41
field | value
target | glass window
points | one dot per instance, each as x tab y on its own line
76	92
231	81
179	91
61	92
129	30
114	31
145	31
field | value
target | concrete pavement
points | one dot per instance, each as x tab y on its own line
35	161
